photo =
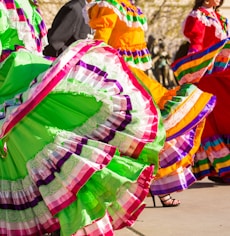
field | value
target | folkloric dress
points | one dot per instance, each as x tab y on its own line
207	65
76	133
183	110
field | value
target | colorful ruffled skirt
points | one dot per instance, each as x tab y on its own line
210	69
78	143
184	110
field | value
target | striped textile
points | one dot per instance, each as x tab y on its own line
67	170
18	19
213	156
193	67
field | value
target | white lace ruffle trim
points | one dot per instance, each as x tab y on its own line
22	28
219	33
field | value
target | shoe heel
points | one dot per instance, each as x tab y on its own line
153	198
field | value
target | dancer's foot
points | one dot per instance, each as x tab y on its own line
168	201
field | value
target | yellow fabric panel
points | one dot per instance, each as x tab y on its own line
198	107
156	90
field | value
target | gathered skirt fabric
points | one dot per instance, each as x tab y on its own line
213	156
184	110
209	70
78	142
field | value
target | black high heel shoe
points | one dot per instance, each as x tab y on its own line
165	198
153	198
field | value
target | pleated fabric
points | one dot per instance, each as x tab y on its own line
209	69
183	110
77	142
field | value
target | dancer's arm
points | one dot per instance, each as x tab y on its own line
194	31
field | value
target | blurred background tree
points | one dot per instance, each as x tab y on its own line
164	17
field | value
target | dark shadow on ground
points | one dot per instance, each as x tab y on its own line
207	185
155	206
202	185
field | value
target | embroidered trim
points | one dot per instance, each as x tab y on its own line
131	15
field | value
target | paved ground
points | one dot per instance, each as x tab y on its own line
204	211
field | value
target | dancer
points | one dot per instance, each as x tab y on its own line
207	65
68	26
204	26
77	133
121	24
